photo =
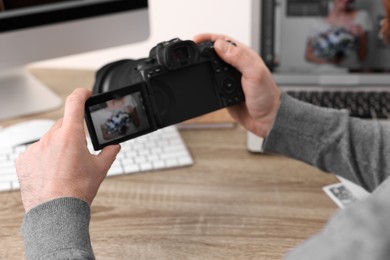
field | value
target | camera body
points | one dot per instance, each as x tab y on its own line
179	80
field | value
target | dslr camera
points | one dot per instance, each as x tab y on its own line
179	80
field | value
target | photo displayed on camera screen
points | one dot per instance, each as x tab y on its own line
118	118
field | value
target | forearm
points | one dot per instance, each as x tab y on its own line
361	231
362	50
332	141
310	57
58	229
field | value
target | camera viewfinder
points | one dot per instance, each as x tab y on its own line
181	54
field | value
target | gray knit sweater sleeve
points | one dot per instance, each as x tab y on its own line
332	141
58	229
355	149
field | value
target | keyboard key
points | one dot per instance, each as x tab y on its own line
185	160
131	168
115	170
158	164
15	185
8	176
5	186
146	166
172	162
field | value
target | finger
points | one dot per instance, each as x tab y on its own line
108	154
208	37
239	56
235	53
213	37
74	108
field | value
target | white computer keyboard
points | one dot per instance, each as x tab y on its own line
158	150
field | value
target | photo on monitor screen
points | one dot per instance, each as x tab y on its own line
308	37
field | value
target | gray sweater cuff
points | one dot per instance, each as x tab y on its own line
299	129
58	228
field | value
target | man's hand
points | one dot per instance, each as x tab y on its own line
262	96
60	165
356	30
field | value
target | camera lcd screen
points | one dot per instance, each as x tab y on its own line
117	116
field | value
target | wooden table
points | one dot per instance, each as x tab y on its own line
230	204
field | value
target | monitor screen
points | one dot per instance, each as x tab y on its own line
305	40
34	30
18	14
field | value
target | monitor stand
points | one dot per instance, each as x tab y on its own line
22	94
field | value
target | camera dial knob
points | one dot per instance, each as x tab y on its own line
228	85
207	52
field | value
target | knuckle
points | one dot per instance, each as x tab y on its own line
233	51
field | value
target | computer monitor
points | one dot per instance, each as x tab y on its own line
301	46
34	30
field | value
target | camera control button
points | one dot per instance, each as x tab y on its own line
150	73
150	60
237	99
228	85
233	100
230	101
217	66
207	52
